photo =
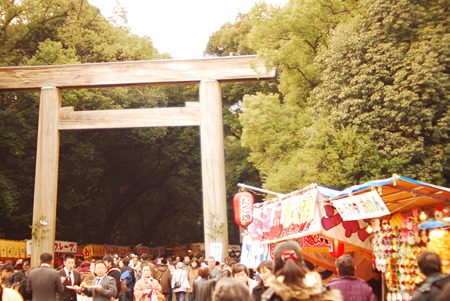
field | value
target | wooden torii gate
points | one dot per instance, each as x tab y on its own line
207	113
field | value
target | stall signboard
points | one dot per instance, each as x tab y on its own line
303	213
12	249
94	251
59	247
362	206
119	250
141	250
65	247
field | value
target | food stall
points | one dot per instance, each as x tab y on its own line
402	234
308	217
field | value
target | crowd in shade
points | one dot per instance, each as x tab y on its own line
138	278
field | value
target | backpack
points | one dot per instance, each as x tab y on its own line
126	276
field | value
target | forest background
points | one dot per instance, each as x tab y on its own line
362	92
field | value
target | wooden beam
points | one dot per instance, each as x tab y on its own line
130	118
46	179
116	74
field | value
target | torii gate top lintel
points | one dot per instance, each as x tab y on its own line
207	114
131	73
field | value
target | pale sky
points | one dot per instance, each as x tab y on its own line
179	27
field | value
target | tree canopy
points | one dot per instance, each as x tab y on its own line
115	186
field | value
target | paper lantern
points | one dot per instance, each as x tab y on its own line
336	248
243	208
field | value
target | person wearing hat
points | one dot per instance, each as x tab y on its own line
21	278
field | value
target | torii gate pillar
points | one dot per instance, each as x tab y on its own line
46	178
213	168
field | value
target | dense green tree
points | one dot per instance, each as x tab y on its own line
276	127
115	186
386	74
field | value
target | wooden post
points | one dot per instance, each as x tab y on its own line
213	167
46	179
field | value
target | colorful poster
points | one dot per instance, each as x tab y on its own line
361	206
290	217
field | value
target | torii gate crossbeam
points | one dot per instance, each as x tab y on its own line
209	73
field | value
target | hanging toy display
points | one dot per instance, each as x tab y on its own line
397	242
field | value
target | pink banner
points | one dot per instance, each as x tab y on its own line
284	219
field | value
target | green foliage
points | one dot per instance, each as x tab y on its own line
365	93
278	128
386	72
115	186
231	39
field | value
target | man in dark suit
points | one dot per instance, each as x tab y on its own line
112	270
71	277
44	282
103	287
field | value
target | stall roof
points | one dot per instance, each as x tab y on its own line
401	193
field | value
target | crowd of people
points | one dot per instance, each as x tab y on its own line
134	278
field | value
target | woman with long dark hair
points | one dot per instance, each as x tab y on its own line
293	279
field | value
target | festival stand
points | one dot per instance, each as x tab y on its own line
308	217
12	249
402	234
94	251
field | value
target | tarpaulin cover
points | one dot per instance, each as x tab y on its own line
401	193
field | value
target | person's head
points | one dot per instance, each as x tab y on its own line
100	268
116	259
211	262
126	261
144	257
289	263
163	261
108	260
203	272
229	289
429	263
146	271
240	272
194	263
26	266
376	274
177	259
46	258
6	271
135	259
265	271
186	260
179	265
69	261
345	265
